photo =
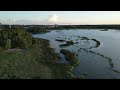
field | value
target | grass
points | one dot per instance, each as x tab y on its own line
71	57
36	62
73	62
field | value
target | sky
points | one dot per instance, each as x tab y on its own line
60	17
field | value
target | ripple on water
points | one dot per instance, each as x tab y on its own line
94	60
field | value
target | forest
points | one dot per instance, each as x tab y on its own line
16	38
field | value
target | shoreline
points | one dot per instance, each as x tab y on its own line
38	61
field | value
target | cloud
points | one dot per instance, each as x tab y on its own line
14	20
44	22
50	20
53	18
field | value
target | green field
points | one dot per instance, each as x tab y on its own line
36	62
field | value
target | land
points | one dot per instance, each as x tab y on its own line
25	57
71	57
34	29
39	61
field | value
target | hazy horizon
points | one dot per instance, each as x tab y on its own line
60	17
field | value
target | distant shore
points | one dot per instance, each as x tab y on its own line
60	27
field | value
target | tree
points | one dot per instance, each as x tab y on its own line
7	44
15	38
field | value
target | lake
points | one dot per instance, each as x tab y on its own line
98	51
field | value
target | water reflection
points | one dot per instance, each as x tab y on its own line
96	50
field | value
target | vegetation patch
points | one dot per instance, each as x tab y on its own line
39	61
84	38
73	62
25	57
36	30
15	39
71	57
59	40
68	43
97	42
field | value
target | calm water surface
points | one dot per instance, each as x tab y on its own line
96	62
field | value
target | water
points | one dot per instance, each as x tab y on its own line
96	61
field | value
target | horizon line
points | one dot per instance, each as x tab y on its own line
61	24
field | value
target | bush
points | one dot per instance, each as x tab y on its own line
7	44
15	38
71	57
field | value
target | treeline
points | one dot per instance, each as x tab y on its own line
98	26
44	28
35	30
60	27
18	38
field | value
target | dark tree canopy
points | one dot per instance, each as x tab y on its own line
15	38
